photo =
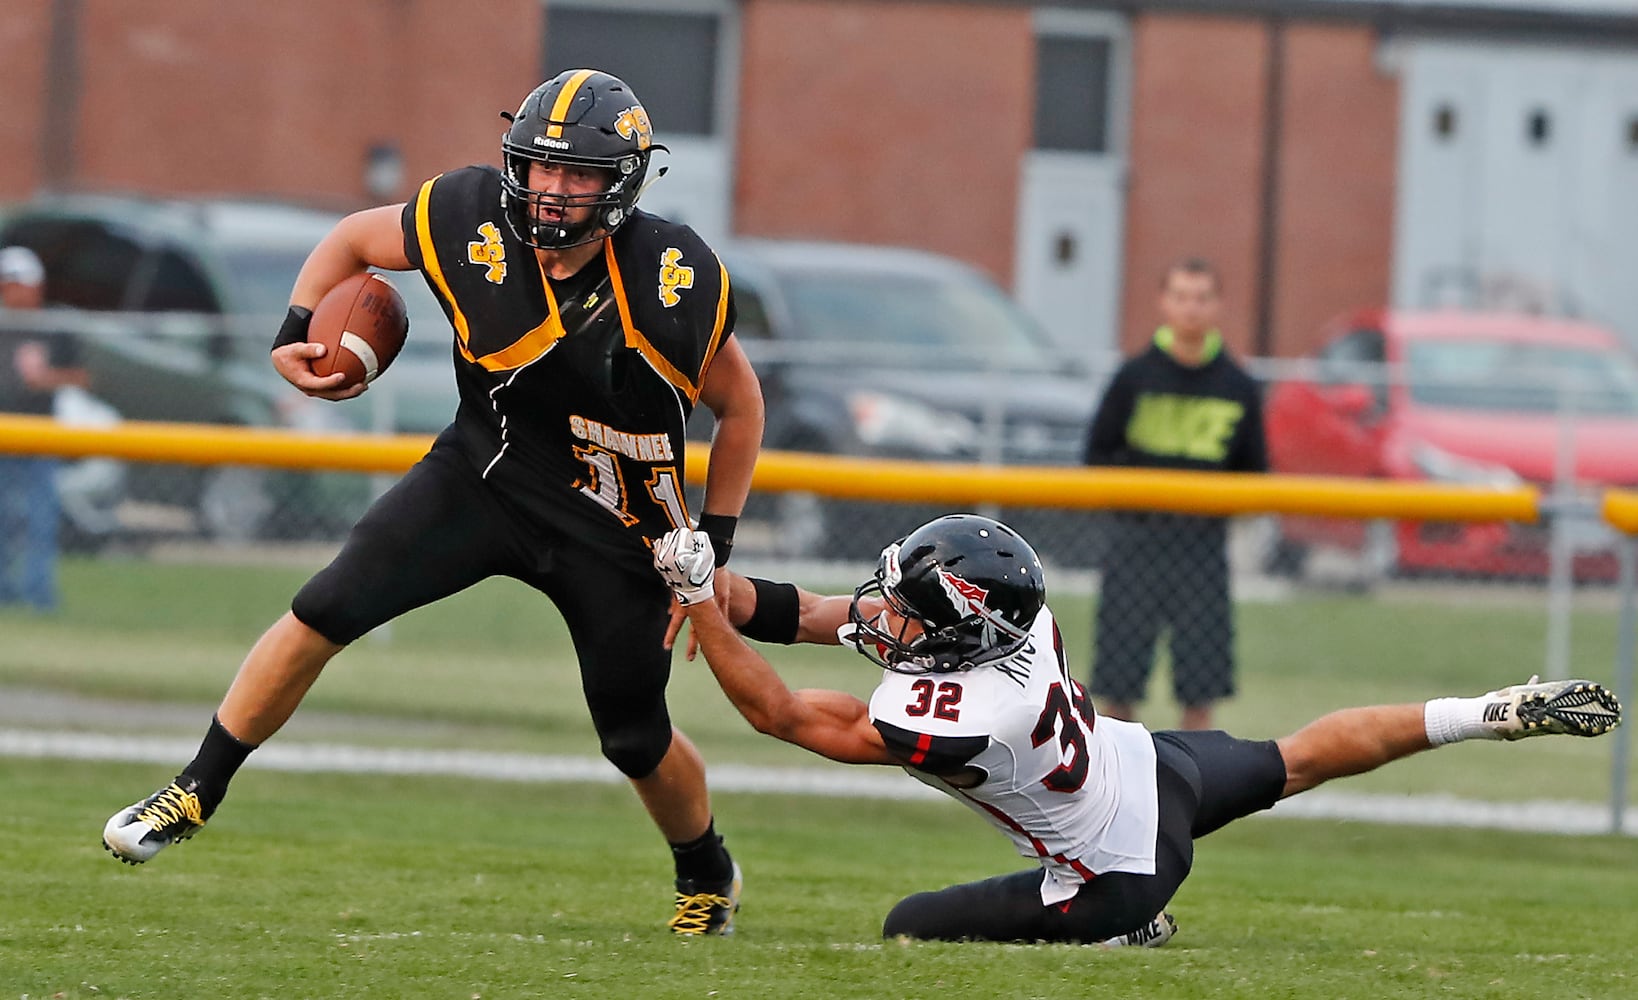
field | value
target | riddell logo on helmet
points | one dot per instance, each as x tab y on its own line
963	594
550	143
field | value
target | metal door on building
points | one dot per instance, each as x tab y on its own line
1517	171
1072	186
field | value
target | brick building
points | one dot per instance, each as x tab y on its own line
1326	153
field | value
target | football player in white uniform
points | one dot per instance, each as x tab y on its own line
977	701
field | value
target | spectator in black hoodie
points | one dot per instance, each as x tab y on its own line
1181	404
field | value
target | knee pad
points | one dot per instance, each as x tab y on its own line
634	742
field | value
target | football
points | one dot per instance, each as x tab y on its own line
362	324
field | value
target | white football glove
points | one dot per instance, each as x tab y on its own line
687	564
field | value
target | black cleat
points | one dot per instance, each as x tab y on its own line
705	909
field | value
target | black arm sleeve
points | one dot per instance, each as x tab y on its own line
778	613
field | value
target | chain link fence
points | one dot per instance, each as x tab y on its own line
1287	615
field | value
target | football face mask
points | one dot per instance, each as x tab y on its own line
917	645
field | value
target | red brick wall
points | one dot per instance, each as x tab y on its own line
284	99
1196	162
1197	171
1337	180
25	33
888	121
900	123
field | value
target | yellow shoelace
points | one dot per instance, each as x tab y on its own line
172	805
694	912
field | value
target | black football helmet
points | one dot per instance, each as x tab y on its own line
586	118
973	583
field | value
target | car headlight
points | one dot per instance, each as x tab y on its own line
891	422
1443	466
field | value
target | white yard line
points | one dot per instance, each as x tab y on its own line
1536	816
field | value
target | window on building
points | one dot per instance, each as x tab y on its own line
668	58
1444	122
1538	127
1072	93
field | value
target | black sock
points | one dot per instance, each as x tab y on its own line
219	757
703	860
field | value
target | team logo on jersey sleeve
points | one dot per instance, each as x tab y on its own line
963	595
673	276
488	251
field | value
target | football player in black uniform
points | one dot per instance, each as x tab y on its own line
585	331
976	700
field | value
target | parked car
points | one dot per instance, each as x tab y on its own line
894	353
175	303
1464	397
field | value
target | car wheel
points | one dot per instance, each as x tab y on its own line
235	503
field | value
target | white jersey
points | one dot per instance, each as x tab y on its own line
1074	792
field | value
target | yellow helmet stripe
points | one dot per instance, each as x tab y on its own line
565	97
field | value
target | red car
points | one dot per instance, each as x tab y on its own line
1457	397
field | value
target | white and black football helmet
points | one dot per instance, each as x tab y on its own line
973	583
582	117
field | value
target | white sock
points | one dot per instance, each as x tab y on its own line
1452	720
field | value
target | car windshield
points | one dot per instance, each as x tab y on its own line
262	277
942	323
1504	375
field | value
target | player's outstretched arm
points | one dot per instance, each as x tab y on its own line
832	724
817	616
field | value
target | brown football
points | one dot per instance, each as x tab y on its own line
362	324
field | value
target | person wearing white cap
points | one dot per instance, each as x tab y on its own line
33	367
22	278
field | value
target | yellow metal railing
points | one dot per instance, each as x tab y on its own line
852	478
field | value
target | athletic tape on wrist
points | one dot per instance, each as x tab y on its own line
294	328
720	528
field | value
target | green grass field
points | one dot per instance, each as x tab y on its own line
349	886
492	669
330	886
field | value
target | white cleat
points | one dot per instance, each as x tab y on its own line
143	829
1151	935
1570	708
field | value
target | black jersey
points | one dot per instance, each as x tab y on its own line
574	393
